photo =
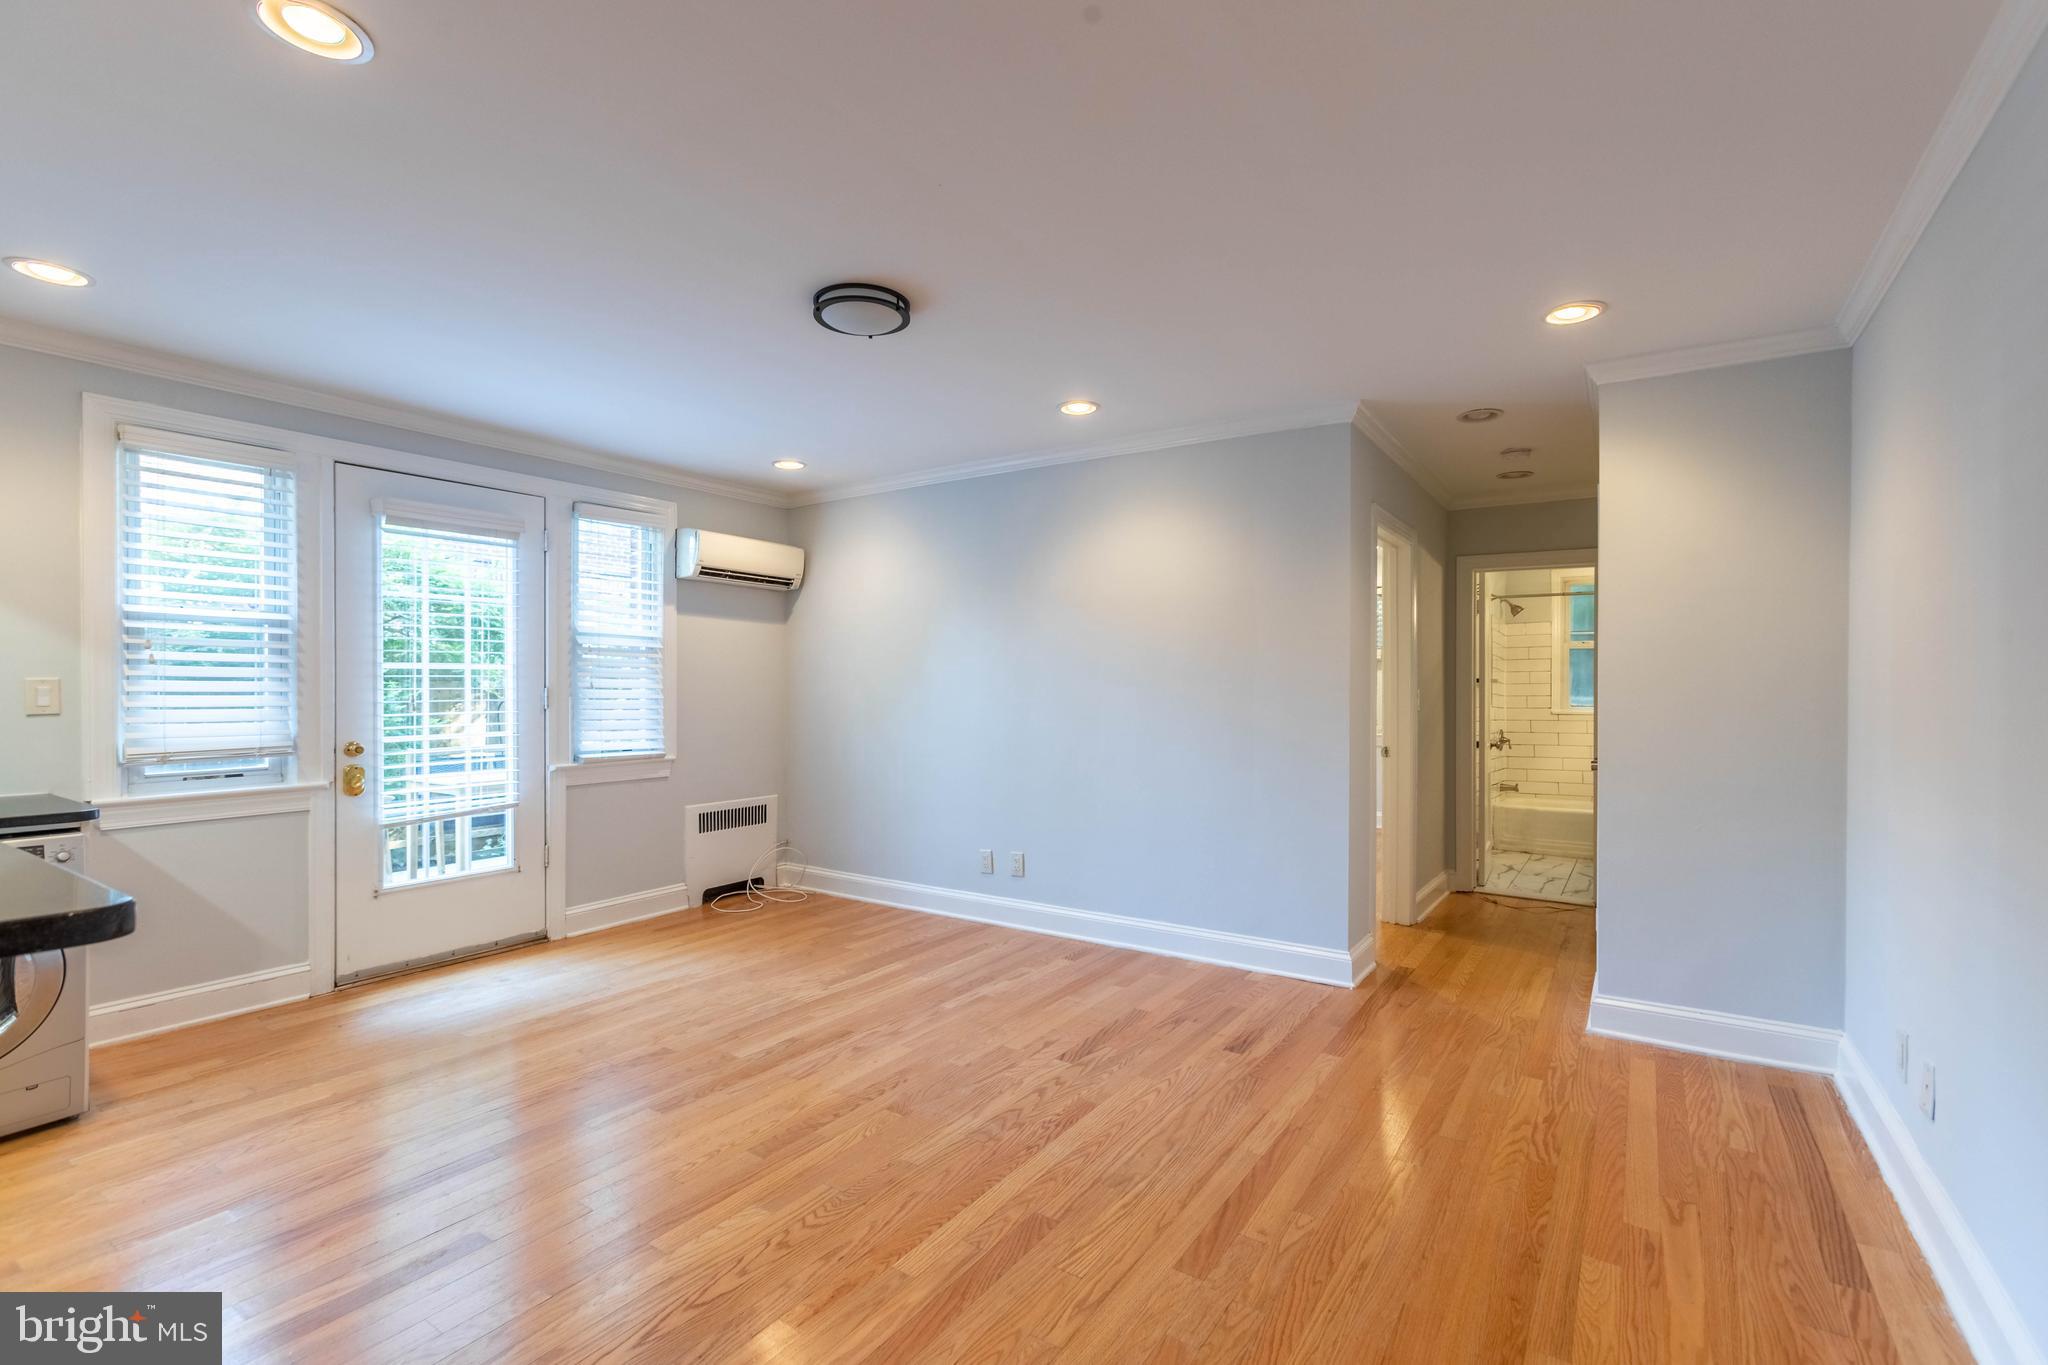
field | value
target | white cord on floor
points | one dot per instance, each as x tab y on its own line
758	896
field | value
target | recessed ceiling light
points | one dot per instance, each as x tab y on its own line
860	310
1583	310
49	272
1478	414
316	27
1516	474
789	464
1077	407
1518	452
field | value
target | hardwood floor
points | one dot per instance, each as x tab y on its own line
839	1132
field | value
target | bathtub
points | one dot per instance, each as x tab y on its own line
1534	822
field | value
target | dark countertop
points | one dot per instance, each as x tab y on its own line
42	907
42	810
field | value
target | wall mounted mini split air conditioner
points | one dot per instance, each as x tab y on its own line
719	558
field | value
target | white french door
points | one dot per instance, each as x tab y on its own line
440	642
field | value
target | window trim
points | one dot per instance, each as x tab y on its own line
665	530
311	794
276	770
107	432
1562	581
313	459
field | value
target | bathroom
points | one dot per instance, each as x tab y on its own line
1539	655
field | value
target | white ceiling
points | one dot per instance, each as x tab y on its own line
601	224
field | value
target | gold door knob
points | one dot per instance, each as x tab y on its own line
353	749
352	780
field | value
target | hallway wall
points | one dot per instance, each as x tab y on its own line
1724	499
1947	934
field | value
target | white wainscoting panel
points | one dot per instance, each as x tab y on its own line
662	900
141	1015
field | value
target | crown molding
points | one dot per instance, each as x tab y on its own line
1317	415
119	355
1374	430
1657	364
1570	493
2010	40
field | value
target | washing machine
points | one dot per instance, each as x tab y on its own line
43	1055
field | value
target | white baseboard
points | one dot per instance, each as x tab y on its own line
1364	957
1738	1037
141	1015
662	900
1330	966
1985	1312
1431	895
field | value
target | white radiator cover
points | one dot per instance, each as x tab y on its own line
724	842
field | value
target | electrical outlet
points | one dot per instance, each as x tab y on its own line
1016	864
988	863
1927	1090
1905	1055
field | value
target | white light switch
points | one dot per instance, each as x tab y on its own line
42	696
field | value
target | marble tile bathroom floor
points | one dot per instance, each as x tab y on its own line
1541	876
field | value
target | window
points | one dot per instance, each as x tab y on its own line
448	773
1573	646
616	634
206	570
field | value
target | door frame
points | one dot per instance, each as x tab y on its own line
563	771
311	791
539	789
1402	715
1471	570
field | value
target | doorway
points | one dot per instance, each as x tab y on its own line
1396	719
1529	757
440	637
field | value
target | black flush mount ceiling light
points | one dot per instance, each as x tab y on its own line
860	310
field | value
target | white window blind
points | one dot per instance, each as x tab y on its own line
616	635
447	597
207	584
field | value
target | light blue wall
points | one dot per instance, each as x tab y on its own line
1136	670
1570	524
1948	732
1724	510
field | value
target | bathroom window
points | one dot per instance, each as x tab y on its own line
1575	643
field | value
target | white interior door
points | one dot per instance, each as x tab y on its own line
1397	723
1382	892
1482	727
440	643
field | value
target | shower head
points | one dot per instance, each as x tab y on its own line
1514	608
